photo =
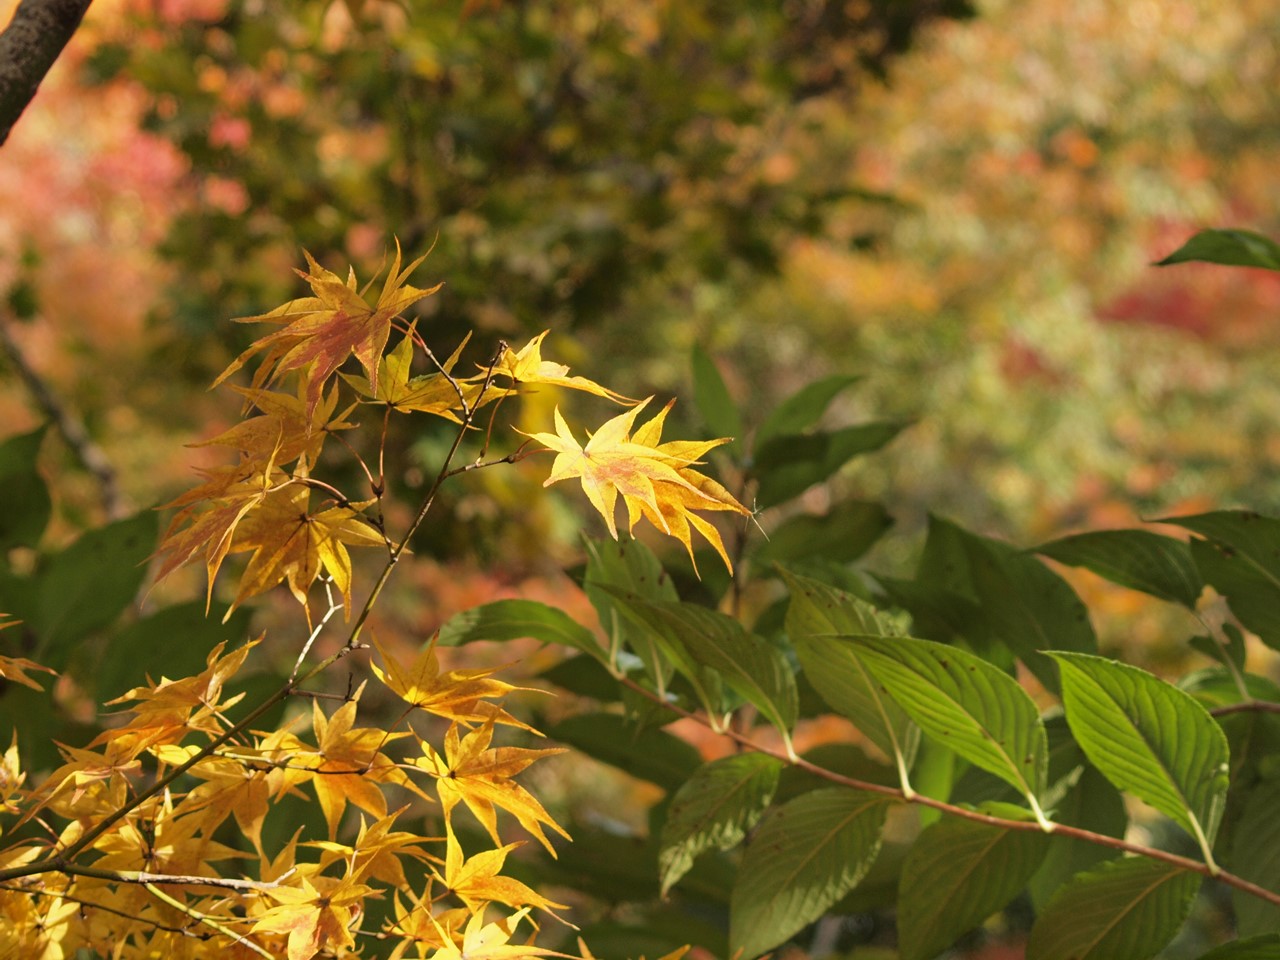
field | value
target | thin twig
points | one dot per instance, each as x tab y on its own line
1254	706
145	878
90	455
207	920
93	904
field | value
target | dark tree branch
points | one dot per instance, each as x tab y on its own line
28	47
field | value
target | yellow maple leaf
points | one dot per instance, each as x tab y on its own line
526	366
460	695
348	765
316	914
480	777
491	941
434	393
476	880
655	480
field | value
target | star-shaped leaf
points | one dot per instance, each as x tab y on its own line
480	777
656	480
320	332
527	367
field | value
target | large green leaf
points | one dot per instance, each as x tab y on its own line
1241	560
816	616
1256	857
801	410
90	583
715	809
842	535
649	754
516	619
805	856
976	709
786	466
1126	908
1232	248
1264	947
25	506
755	670
1149	738
958	873
1137	559
630	567
711	396
1026	605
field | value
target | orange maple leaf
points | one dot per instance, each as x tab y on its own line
285	430
15	668
292	544
322	331
480	777
490	941
656	480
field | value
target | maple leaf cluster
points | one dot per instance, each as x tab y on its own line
123	848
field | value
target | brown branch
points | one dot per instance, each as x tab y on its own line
73	431
1079	833
1248	706
28	47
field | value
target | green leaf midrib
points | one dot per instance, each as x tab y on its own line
1133	905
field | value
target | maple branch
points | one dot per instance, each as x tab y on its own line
207	920
29	46
90	455
306	647
144	878
1078	833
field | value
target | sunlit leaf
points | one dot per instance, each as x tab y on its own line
1149	738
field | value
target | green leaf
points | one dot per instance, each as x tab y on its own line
816	617
841	535
1255	856
1232	248
1126	908
25	506
802	409
90	583
965	703
1149	738
1137	559
172	642
515	619
1094	804
958	873
1022	602
630	567
805	856
753	669
714	810
649	754
1241	561
786	466
711	396
1265	947
1229	649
